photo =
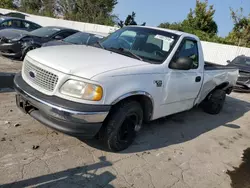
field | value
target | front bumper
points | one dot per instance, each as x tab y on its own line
76	119
242	87
243	82
11	49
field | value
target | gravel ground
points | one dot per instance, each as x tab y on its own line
190	149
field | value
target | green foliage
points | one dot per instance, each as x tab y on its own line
31	6
49	8
91	11
201	18
240	35
173	26
200	22
130	20
7	4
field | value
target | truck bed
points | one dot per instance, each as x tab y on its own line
213	66
215	75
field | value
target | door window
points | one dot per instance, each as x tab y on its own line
188	48
16	23
65	34
6	24
93	39
26	25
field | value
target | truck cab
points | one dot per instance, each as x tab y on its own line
135	75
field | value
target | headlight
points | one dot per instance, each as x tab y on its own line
82	90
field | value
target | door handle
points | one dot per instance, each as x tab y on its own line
198	79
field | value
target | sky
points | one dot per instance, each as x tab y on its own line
154	12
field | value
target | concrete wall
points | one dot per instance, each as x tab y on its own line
213	52
220	53
47	21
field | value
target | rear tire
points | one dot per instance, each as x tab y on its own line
122	125
214	102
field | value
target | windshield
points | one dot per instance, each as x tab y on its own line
45	31
242	60
150	45
78	38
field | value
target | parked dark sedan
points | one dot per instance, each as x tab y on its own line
243	64
16	43
17	23
80	38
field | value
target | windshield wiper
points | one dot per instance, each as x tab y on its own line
122	50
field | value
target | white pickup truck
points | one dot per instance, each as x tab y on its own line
135	75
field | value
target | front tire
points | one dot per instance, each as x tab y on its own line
25	51
214	102
122	125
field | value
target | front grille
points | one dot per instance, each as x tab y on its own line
43	78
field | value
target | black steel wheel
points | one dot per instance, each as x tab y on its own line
122	125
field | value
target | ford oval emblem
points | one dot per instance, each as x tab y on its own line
32	74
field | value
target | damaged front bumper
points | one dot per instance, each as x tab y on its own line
243	83
76	119
11	49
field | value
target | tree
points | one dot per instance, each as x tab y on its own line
240	35
7	4
174	26
31	6
130	20
202	18
39	7
199	22
48	8
92	11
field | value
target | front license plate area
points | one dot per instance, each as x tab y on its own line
21	103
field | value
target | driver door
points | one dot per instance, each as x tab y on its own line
182	86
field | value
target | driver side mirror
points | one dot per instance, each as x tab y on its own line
58	37
228	61
182	63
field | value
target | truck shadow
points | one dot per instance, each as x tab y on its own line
84	176
184	126
6	83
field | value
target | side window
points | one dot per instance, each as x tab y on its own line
16	24
6	24
188	48
93	39
247	61
26	25
34	26
65	34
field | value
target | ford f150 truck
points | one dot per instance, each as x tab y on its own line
135	75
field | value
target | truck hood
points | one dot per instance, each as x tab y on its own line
82	61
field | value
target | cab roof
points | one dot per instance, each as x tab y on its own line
3	18
180	33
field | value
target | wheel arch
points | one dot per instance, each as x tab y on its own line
144	98
224	86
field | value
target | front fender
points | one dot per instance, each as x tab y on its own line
133	93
